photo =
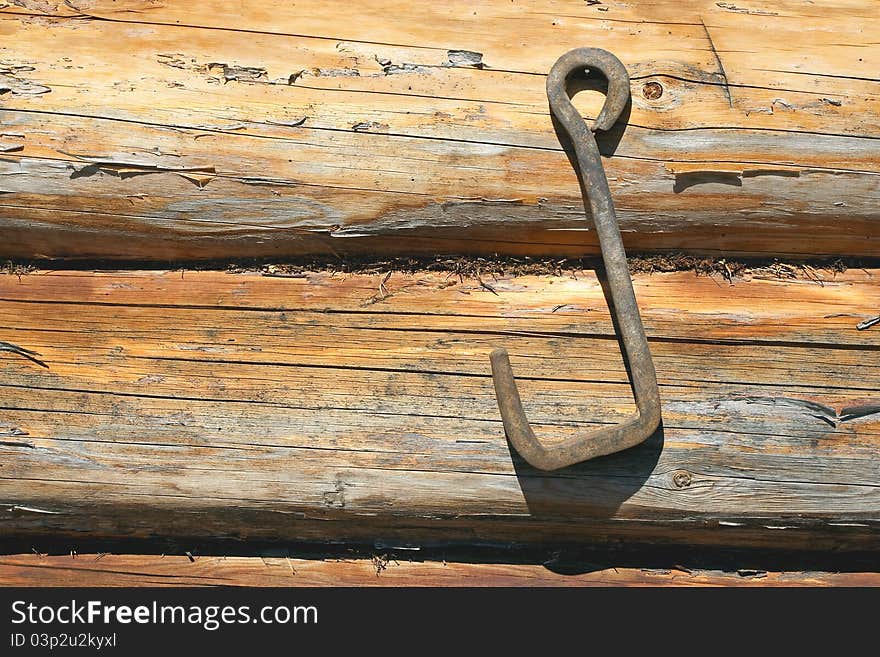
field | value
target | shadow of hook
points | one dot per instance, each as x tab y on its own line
625	312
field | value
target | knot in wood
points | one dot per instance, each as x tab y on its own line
652	90
681	478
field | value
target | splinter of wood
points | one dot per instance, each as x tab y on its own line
597	196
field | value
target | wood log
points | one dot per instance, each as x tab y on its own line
153	571
136	129
360	407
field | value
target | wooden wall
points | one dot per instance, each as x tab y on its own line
137	129
360	407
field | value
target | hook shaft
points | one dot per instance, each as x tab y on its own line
597	196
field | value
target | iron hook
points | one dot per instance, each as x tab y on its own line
597	196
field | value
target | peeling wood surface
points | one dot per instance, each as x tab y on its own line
149	570
175	130
360	407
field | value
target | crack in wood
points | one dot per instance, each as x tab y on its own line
24	353
718	61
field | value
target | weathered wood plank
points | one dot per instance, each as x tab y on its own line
146	570
321	408
193	130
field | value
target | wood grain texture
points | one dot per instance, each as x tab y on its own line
135	129
147	570
359	407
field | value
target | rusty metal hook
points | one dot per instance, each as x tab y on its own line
596	194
